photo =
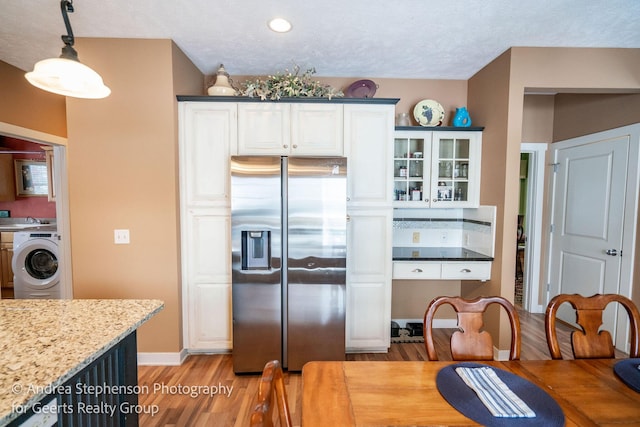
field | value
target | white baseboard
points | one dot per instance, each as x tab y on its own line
437	323
162	359
500	354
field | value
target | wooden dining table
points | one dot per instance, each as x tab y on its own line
405	393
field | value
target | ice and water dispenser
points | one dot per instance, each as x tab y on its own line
256	250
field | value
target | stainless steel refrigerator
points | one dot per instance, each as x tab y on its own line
289	260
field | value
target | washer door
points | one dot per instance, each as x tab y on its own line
35	263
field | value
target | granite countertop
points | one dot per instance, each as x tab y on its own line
43	343
437	254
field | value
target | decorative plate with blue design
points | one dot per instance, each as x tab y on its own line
428	113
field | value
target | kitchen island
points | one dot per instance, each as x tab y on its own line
70	361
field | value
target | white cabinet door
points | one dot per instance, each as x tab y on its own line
207	130
369	266
317	130
207	274
298	129
455	169
264	129
368	131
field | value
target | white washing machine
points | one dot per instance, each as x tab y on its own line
36	273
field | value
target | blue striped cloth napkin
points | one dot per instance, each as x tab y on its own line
499	399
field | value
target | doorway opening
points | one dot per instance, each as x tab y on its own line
528	243
59	178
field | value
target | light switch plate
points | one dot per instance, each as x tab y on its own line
121	237
416	237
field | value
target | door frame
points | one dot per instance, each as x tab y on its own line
533	224
629	233
60	179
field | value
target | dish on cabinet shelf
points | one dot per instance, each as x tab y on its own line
428	113
361	89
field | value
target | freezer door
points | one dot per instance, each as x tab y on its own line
256	258
315	304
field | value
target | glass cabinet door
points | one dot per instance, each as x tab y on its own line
410	168
437	169
453	169
455	158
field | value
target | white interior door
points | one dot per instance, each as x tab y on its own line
587	220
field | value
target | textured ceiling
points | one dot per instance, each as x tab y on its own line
340	38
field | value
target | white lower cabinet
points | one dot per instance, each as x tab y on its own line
369	264
444	270
476	270
207	262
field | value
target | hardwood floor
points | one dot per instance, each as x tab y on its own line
204	391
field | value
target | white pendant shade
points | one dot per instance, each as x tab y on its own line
67	77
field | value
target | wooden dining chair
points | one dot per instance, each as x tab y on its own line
589	342
470	342
271	387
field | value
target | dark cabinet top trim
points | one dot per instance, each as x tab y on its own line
340	100
441	128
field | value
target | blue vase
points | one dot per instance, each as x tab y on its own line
462	118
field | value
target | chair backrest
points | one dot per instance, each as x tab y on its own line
271	387
470	342
589	343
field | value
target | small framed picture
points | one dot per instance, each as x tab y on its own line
31	178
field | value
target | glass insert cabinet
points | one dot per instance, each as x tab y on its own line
437	168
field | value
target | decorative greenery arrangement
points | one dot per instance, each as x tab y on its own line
288	85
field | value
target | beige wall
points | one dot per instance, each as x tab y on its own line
29	107
489	99
583	114
537	118
501	110
123	174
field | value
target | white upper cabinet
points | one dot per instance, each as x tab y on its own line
302	129
437	169
369	132
207	130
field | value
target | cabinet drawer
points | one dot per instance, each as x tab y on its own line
477	270
416	270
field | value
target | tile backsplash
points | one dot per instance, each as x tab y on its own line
469	228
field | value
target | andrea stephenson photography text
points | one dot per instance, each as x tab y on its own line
102	397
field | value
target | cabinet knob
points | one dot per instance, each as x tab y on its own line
426	200
465	270
417	270
285	146
295	145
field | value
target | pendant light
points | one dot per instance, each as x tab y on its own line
66	75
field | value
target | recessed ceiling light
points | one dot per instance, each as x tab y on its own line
279	25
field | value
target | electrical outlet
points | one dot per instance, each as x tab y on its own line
121	237
416	237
